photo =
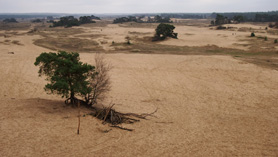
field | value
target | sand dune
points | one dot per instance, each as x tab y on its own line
207	106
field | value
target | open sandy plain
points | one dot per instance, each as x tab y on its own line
209	104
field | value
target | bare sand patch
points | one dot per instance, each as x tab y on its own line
207	106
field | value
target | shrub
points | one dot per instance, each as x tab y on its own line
163	31
265	38
275	41
128	42
253	34
221	27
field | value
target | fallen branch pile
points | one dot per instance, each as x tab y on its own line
109	115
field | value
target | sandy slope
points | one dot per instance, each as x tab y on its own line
207	106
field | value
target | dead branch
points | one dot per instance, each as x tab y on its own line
116	126
100	82
78	118
109	115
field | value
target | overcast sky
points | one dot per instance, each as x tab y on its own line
135	6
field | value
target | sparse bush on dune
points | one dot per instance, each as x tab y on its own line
221	27
275	41
252	34
163	31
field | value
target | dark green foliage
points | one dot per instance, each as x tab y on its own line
253	34
67	21
220	20
163	31
95	17
11	20
159	19
238	18
128	42
67	76
265	38
156	19
125	19
221	27
265	18
271	16
86	19
36	21
275	41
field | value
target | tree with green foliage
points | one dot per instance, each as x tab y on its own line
238	18
66	74
36	21
67	21
220	20
125	19
85	19
163	31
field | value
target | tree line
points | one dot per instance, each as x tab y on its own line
156	19
69	21
251	17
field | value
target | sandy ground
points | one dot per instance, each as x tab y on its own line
207	106
187	35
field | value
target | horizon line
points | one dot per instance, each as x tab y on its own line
142	13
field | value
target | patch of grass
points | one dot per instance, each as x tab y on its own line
69	44
14	26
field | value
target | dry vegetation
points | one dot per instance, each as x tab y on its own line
208	93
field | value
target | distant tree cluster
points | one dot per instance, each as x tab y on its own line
251	16
36	21
220	20
125	19
265	18
69	21
159	19
156	19
95	17
185	15
10	20
238	18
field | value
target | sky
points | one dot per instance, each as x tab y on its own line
136	6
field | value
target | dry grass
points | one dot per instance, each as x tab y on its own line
69	44
14	26
95	37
